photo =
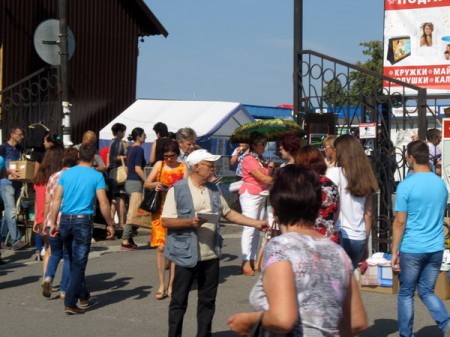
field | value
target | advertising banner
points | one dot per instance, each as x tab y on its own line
417	43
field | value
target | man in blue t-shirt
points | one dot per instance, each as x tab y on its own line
75	198
418	239
11	189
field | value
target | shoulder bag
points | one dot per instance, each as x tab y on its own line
119	174
152	198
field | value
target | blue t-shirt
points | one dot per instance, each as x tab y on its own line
80	185
423	197
135	158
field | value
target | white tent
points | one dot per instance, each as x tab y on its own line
211	120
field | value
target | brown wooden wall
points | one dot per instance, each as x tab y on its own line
102	71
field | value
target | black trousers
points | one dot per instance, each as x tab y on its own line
207	273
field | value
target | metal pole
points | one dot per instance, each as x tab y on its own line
64	53
298	47
422	113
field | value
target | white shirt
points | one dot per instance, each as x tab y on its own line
351	221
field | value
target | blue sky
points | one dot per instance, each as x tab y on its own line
242	50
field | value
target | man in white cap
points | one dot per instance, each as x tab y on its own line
191	214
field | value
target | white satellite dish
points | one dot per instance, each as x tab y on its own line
46	42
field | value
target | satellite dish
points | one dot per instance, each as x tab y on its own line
46	42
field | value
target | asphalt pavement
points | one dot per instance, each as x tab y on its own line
123	287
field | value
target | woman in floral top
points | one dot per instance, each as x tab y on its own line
307	286
328	213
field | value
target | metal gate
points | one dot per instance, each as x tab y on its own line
357	95
34	99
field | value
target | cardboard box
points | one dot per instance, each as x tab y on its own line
25	170
370	280
442	289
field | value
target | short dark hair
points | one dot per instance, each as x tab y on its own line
70	157
172	146
420	151
118	127
137	132
290	142
296	195
433	134
311	157
54	138
161	128
87	152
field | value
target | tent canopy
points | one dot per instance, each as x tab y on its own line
208	118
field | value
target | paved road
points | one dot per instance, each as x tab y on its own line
123	285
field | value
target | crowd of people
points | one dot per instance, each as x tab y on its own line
321	210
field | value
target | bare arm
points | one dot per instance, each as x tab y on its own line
354	317
243	220
140	172
153	153
398	230
151	182
281	317
176	223
259	175
57	197
105	209
368	216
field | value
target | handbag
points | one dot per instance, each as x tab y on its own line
152	198
234	187
119	174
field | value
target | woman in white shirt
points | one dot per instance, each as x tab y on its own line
357	183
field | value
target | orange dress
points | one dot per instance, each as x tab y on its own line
168	177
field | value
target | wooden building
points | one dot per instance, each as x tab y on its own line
102	71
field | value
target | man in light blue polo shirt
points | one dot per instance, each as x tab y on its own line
418	239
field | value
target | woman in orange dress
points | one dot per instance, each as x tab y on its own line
162	176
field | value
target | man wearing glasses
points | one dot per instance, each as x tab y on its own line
191	214
10	189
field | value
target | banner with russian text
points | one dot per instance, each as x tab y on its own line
417	43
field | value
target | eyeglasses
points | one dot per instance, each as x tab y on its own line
170	156
210	165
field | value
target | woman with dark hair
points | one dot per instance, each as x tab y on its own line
426	40
134	184
288	146
163	175
307	286
162	137
256	177
51	163
69	159
313	159
117	155
357	183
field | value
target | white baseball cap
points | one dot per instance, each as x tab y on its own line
198	155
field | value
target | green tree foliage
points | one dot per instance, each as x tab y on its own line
359	84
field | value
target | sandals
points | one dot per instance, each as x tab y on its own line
160	295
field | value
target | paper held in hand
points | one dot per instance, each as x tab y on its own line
210	217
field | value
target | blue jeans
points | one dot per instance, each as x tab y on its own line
10	195
419	270
57	253
354	249
76	235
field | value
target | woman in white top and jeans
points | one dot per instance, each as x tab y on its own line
357	183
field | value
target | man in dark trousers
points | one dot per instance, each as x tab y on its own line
418	239
191	214
75	198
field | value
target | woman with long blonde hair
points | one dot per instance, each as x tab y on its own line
357	183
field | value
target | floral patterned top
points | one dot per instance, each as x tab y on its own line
322	272
328	209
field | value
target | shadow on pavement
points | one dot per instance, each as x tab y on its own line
112	290
224	334
19	282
